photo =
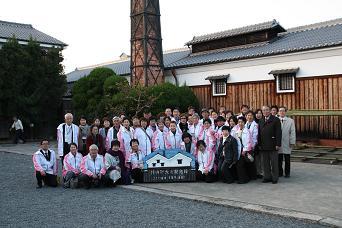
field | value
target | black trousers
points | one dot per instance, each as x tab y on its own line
287	164
49	179
88	181
209	178
270	163
66	150
241	169
68	177
137	175
18	135
251	170
227	172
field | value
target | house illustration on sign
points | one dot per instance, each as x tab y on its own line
169	166
179	160
169	158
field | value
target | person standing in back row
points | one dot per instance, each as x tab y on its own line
67	133
269	142
288	141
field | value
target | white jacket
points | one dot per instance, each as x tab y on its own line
173	141
205	160
144	141
125	136
158	140
60	141
72	163
254	130
40	163
110	137
90	166
195	130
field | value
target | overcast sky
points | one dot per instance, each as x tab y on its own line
99	31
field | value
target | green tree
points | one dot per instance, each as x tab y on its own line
32	83
102	93
172	96
89	93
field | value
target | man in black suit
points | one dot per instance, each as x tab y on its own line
269	143
228	156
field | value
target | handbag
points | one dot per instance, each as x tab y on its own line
249	158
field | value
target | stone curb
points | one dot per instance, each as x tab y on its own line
327	221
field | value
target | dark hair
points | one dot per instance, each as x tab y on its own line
258	110
105	119
153	118
244	106
233	118
275	106
184	115
167	117
174	122
251	112
146	111
126	118
73	144
207	120
115	143
143	119
135	117
176	108
83	118
186	135
231	112
92	126
220	118
242	118
190	107
41	141
226	128
200	142
133	140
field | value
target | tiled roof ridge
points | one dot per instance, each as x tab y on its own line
313	26
15	24
270	23
128	59
245	46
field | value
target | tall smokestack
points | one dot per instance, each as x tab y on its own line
146	43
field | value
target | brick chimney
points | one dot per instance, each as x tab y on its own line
146	43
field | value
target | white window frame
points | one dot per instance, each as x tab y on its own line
286	91
213	89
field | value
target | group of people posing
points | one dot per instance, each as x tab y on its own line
227	147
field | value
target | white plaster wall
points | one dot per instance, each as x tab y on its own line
310	63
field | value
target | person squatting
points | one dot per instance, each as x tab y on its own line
227	147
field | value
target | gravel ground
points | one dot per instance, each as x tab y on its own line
22	205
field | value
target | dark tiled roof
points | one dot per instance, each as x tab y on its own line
284	71
321	35
216	77
122	67
236	31
24	32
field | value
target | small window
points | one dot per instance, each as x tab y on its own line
219	87
154	164
285	83
158	161
162	164
180	161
